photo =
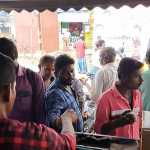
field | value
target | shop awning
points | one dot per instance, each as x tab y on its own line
52	5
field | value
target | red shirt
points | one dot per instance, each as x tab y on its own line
15	135
111	105
80	49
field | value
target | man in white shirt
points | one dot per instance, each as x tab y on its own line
106	76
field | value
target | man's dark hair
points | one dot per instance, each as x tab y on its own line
63	61
8	48
147	59
7	69
46	59
127	66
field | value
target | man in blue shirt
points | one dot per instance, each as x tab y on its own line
60	96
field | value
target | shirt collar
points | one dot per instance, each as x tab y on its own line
21	71
118	94
58	84
112	64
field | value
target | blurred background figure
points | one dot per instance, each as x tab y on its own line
80	55
146	84
46	69
146	92
107	75
77	86
99	45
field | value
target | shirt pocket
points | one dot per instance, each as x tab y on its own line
24	101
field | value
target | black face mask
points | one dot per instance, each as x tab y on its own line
52	79
65	76
65	81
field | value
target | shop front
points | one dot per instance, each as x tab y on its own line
73	25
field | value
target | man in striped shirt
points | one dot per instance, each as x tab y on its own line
119	109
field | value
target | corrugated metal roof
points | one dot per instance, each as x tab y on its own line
52	5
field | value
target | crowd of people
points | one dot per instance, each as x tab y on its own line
44	110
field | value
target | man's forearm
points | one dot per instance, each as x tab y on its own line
112	125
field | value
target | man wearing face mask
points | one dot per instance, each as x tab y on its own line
60	96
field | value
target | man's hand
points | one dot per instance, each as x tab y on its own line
83	80
68	118
85	115
69	115
127	118
131	117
